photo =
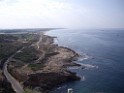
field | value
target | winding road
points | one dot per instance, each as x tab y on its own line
18	88
15	84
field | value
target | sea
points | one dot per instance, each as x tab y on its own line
103	58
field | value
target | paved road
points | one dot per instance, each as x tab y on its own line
15	84
38	43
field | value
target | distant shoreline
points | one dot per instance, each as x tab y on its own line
26	30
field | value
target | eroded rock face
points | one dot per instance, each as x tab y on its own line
47	81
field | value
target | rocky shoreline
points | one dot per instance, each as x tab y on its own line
47	81
49	69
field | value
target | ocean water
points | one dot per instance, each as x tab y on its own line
104	50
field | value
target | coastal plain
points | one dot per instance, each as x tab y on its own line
41	65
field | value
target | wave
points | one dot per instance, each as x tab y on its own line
83	78
87	66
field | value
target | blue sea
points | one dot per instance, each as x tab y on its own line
104	52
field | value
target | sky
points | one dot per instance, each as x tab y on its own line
61	13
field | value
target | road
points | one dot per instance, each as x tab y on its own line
40	40
15	84
38	45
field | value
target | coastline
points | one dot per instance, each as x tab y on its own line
48	67
56	61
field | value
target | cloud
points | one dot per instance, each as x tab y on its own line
34	12
53	13
8	2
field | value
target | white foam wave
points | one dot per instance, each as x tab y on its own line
83	78
87	66
84	56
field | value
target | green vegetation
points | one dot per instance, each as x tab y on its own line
6	49
27	90
5	87
10	43
30	38
17	63
36	67
7	37
27	55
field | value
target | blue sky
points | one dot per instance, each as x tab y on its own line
62	13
